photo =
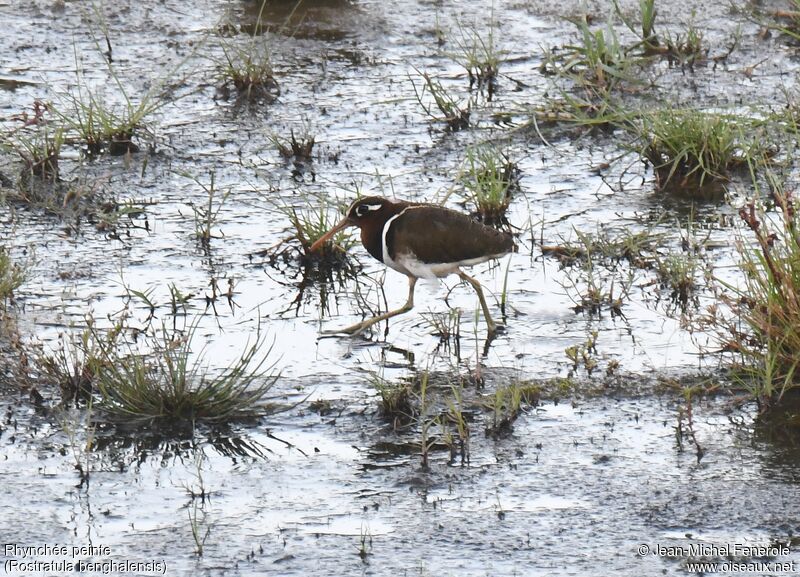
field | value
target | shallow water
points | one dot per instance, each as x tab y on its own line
574	490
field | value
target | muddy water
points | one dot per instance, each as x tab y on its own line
574	490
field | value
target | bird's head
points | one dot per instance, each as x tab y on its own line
368	213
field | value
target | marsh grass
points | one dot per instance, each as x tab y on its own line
694	152
490	179
442	409
206	215
645	28
396	400
677	272
597	59
104	128
685	429
247	65
609	247
583	355
425	420
686	48
506	405
456	417
40	151
592	108
12	276
323	272
249	70
78	202
477	53
170	387
454	112
594	279
310	222
767	304
683	47
36	140
445	325
300	148
599	68
594	288
104	125
72	365
365	544
600	63
200	531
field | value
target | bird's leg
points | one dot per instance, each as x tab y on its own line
360	327
490	324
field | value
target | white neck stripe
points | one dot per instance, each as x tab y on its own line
387	260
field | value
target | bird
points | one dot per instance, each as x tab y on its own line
421	240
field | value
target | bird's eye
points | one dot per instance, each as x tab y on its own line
362	210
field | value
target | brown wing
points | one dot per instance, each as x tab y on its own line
439	235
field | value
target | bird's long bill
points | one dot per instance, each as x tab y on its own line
342	224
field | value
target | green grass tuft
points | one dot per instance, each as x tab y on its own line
693	149
247	65
768	304
101	126
490	178
597	59
166	386
310	223
12	275
477	53
454	112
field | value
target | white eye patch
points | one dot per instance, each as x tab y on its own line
363	209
